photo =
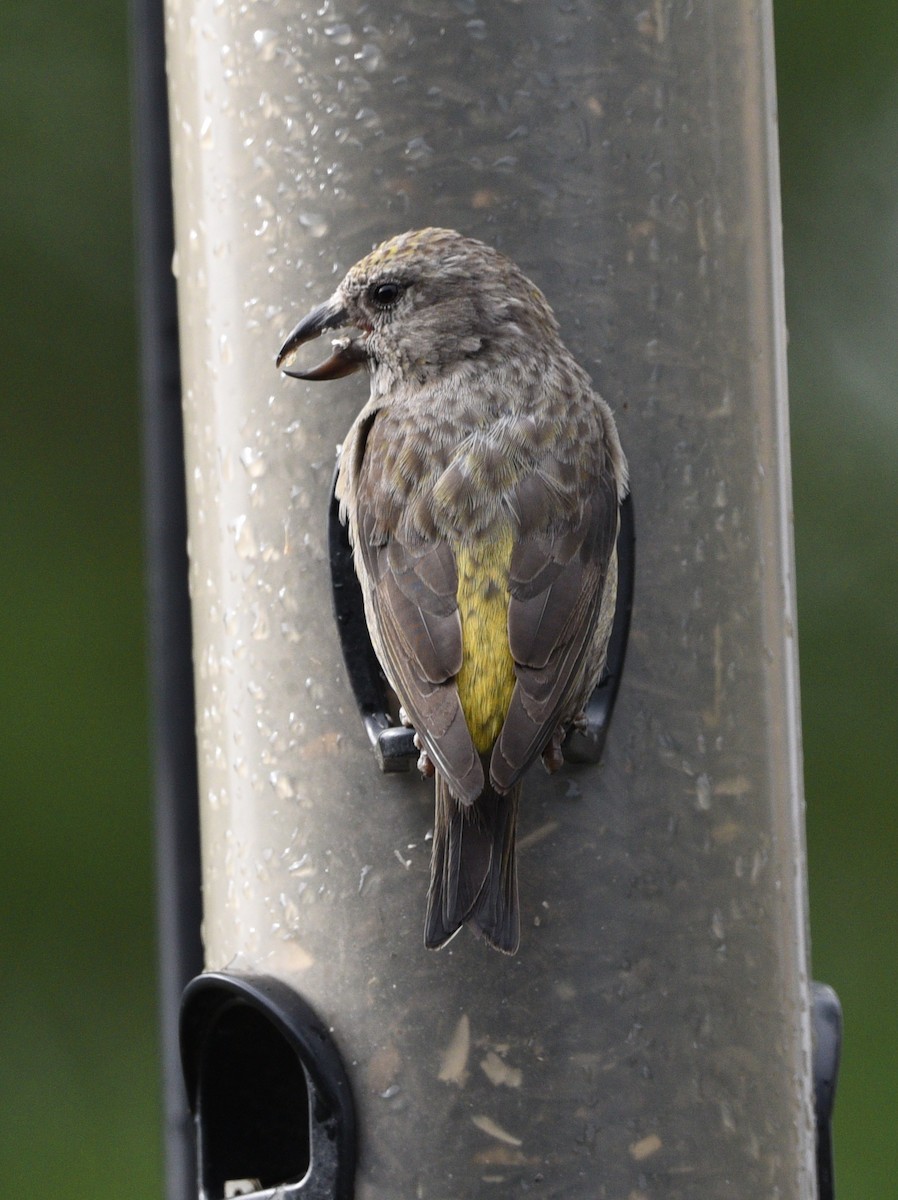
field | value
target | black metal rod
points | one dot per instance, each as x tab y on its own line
827	1013
179	904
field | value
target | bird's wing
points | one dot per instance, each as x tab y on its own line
412	585
557	577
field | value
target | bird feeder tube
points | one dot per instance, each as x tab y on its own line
651	1036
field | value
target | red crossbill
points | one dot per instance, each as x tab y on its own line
482	483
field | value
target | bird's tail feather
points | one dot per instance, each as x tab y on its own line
473	870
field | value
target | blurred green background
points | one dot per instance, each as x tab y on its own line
77	1033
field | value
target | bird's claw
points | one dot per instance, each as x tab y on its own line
425	766
553	759
580	723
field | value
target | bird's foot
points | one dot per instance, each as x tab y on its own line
425	766
553	759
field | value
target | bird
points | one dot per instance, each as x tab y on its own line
481	483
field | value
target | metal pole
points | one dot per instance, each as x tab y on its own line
652	1036
179	904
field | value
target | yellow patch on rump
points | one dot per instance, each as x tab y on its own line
486	679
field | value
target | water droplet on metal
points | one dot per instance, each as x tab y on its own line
266	44
417	149
703	792
282	784
245	538
314	223
261	625
254	462
370	57
341	34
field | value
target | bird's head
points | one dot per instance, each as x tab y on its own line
422	303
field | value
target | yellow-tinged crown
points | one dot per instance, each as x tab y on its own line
405	245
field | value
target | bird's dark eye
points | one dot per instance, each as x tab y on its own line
385	294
